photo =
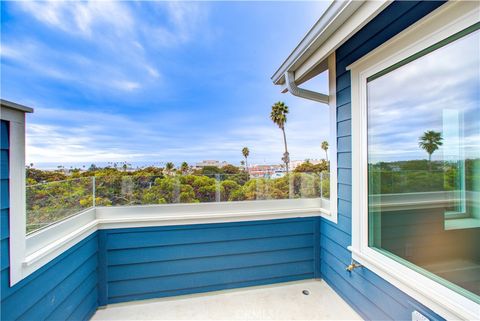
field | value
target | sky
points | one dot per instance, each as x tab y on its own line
152	82
439	92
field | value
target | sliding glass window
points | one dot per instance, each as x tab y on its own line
424	162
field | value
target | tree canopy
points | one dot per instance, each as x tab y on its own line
430	141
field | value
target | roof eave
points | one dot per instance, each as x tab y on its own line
12	105
336	14
341	20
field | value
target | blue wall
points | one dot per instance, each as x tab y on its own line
370	295
64	289
143	263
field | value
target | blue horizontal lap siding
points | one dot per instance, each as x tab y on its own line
69	305
43	292
4	195
196	234
57	294
166	261
4	224
57	290
209	288
344	112
206	264
4	201
370	295
134	256
202	279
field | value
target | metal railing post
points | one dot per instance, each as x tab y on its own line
321	184
176	192
260	190
93	191
217	188
291	187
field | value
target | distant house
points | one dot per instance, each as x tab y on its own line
295	163
214	163
278	174
266	171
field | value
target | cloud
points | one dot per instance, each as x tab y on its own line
126	85
81	136
80	18
79	71
62	136
112	45
306	128
166	93
414	98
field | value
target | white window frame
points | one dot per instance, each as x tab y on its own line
332	107
445	21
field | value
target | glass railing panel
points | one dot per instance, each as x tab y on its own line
47	203
51	202
408	181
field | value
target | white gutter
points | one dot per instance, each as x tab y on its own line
341	20
303	93
335	15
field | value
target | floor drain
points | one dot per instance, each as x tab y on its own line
306	292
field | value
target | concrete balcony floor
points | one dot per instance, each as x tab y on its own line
274	302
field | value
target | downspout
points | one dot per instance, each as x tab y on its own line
330	101
303	93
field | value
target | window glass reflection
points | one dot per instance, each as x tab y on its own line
424	164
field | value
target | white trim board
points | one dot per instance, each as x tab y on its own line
332	107
447	20
17	206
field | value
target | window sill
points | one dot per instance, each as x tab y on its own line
430	293
462	223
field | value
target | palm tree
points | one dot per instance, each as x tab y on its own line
184	167
325	148
169	167
430	142
246	153
279	117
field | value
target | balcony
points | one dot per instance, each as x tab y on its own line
198	251
61	211
112	234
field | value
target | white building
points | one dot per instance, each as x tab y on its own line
210	162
